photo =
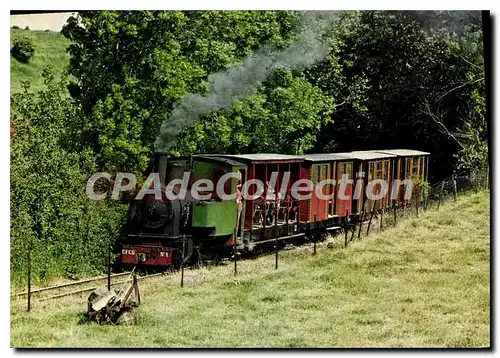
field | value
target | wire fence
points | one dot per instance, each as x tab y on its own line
454	185
423	198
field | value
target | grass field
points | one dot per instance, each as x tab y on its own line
50	50
424	283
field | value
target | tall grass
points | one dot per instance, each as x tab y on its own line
424	283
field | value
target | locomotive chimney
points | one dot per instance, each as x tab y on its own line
161	165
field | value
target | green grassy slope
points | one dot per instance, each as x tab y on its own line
50	50
424	283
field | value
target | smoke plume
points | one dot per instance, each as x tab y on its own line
226	87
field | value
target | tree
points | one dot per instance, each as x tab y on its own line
396	67
50	214
283	115
132	66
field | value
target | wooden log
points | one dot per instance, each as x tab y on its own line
137	293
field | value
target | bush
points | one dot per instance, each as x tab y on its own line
15	27
68	234
23	49
27	28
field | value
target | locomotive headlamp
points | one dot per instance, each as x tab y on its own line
142	257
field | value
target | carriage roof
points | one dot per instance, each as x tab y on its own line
404	152
370	155
264	158
326	157
220	159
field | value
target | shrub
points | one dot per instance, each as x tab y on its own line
15	27
68	235
27	27
23	49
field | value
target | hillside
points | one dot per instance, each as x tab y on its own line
50	50
423	283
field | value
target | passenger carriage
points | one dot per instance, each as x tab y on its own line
370	166
408	164
275	211
331	167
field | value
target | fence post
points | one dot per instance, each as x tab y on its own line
314	236
475	180
109	266
370	222
394	209
427	193
441	194
454	187
182	259
353	231
29	277
361	218
235	251
345	229
487	177
418	201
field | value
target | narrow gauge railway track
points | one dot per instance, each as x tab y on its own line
79	287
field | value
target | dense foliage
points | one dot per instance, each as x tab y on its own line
421	90
67	233
22	49
391	79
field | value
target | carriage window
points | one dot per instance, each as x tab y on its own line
414	169
380	170
315	174
421	167
217	174
324	176
408	167
371	171
386	166
344	168
340	170
348	170
324	172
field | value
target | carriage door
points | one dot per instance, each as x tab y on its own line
319	206
343	205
